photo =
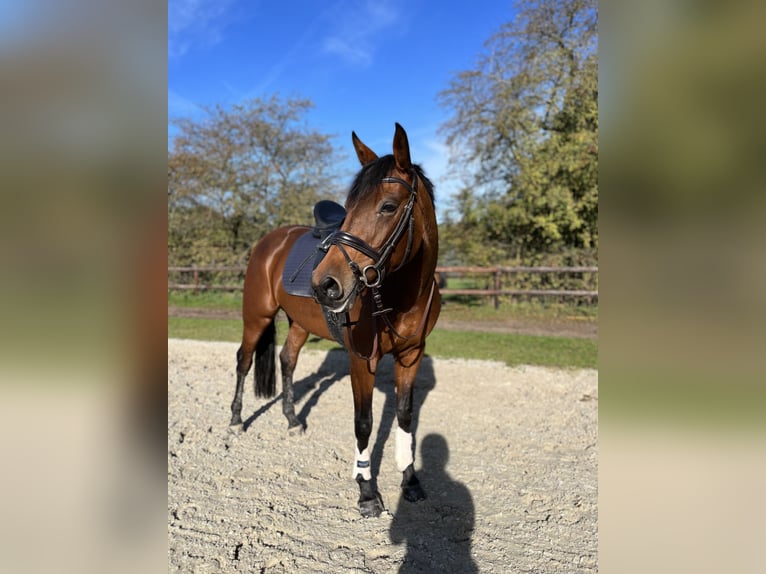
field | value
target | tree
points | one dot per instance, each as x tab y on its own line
463	239
240	172
526	119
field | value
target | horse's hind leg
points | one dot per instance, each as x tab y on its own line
288	357
250	337
242	369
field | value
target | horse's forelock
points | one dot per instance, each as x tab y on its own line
371	174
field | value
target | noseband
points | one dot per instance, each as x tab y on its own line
372	275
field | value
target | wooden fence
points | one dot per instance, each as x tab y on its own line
493	282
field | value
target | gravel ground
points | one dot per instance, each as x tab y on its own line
507	456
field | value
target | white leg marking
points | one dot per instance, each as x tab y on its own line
362	464
403	449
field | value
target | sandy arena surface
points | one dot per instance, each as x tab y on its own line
507	456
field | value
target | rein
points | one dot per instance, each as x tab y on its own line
371	276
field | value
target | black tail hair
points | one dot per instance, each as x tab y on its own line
265	363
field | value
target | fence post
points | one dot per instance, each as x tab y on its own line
196	281
497	288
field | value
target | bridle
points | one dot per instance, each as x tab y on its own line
371	276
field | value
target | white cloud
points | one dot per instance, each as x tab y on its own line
195	23
357	27
352	54
178	106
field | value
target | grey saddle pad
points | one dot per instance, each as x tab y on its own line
304	256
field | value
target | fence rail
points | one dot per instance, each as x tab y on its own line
494	273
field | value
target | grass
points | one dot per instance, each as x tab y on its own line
229	330
206	299
477	309
204	329
511	349
514	349
464	307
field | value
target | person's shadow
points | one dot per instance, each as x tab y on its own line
438	530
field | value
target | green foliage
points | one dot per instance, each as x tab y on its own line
240	172
527	120
465	241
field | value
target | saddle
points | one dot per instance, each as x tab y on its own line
328	217
306	253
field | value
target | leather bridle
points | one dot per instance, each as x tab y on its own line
371	276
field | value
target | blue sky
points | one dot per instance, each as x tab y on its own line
364	63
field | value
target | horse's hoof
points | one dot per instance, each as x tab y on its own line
371	508
294	426
413	493
235	420
411	490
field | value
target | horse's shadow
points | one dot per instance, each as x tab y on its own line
336	366
438	531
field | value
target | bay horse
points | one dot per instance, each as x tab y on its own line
376	281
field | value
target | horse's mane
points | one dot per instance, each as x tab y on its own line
371	174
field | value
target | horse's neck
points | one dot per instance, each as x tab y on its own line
417	271
429	247
429	250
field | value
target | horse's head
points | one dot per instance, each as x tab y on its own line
389	216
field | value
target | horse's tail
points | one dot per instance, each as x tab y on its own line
265	363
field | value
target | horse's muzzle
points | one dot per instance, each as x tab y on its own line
329	293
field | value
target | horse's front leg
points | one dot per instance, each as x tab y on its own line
362	383
405	370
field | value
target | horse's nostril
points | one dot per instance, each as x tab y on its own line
331	288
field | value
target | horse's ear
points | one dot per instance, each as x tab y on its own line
365	154
402	150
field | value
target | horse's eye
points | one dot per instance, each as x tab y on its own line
388	208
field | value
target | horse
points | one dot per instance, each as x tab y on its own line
374	291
